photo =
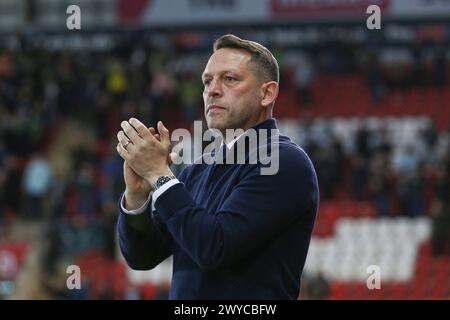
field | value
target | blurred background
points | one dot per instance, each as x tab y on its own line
371	107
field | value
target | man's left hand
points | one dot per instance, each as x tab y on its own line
145	154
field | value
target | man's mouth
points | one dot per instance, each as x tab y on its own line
214	107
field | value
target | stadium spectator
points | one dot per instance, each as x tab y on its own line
439	67
189	93
380	184
37	183
359	177
303	76
315	287
374	74
440	235
440	212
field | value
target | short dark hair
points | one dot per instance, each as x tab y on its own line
265	65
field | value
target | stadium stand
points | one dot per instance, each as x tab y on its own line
379	139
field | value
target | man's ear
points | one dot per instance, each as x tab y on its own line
269	92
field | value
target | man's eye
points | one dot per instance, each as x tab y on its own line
229	79
206	82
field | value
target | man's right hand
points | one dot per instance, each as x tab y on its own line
137	188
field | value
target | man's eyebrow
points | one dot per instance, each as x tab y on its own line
207	74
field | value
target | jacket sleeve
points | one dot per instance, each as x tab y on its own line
143	243
258	208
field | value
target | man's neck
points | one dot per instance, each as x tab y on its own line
231	142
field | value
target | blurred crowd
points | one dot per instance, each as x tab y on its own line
74	187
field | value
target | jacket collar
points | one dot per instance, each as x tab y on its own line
270	125
267	124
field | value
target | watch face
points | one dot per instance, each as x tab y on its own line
162	180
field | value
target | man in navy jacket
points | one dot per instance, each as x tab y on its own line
234	232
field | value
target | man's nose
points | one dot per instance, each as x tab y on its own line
214	88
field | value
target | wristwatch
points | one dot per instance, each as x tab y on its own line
161	180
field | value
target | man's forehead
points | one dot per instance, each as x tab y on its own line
227	59
209	71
